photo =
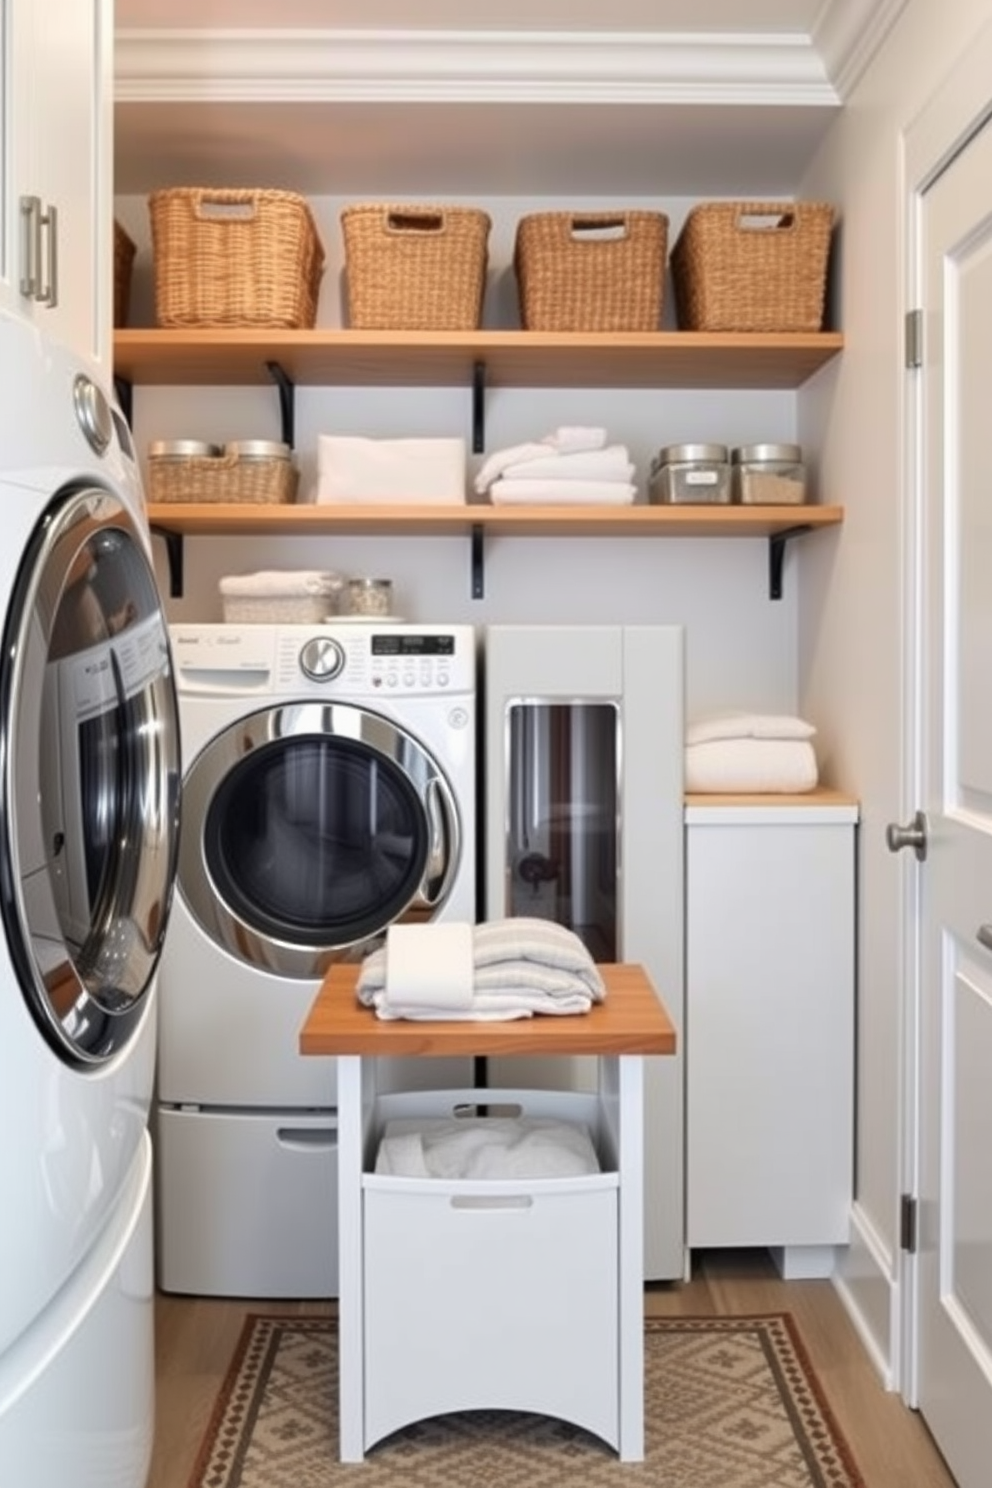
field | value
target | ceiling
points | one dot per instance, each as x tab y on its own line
522	97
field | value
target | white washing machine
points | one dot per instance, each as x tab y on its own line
329	792
89	791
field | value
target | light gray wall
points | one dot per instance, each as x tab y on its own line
851	659
741	647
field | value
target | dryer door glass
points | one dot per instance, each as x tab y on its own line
309	830
91	775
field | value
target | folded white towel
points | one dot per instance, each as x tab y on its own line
561	493
748	726
760	765
352	468
520	967
485	1148
569	439
281	581
612	463
429	966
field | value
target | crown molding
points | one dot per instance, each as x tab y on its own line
847	35
477	67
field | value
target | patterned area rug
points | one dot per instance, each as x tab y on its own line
730	1403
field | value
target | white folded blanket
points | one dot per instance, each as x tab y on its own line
748	726
281	581
486	1147
566	440
508	492
759	765
520	967
612	463
352	468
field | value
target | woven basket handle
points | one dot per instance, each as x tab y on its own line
600	229
225	205
399	221
766	217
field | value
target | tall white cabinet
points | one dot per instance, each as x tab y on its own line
770	986
56	233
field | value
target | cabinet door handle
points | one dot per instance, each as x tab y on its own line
49	295
30	246
984	936
913	834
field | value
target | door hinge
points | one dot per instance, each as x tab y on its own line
907	1223
914	338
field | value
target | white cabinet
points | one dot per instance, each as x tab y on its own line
57	226
770	957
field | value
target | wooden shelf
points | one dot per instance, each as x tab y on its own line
655	359
254	519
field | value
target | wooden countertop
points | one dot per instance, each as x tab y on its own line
632	1020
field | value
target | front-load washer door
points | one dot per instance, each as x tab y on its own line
89	754
310	828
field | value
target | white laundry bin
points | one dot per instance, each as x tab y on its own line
495	1293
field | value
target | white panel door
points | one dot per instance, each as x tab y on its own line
954	1275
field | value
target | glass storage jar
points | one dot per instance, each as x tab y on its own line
372	597
769	474
690	473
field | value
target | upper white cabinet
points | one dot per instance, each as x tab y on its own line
57	166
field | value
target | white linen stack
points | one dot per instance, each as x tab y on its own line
753	752
572	466
516	968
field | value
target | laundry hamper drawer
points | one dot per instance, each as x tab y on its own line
491	1294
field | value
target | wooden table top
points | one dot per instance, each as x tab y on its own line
632	1020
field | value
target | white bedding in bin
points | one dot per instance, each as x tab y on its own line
352	468
486	1147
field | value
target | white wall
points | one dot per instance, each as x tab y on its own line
741	646
851	657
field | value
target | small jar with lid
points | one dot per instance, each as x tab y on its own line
370	597
769	474
690	473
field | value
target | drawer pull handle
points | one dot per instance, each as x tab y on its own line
492	1201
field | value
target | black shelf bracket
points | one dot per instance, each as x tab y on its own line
124	389
478	408
776	556
478	561
174	554
287	402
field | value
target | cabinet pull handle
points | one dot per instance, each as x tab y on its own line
50	294
30	245
984	936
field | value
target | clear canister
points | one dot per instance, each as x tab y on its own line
372	597
769	474
690	473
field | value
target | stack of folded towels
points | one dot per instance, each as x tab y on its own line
750	752
504	969
574	465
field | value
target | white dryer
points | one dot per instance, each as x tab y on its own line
329	792
89	790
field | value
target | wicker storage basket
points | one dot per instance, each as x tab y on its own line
124	251
234	258
591	271
752	266
226	477
415	268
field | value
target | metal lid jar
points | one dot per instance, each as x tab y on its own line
769	474
372	597
690	473
182	449
258	449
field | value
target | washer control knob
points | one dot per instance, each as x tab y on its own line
322	658
92	413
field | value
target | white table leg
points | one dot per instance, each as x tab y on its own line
631	1257
351	1341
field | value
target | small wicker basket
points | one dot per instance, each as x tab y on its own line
234	258
225	477
124	251
591	271
415	268
752	266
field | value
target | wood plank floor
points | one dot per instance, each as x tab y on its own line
196	1338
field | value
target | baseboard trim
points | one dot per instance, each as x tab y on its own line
865	1282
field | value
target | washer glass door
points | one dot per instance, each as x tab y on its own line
310	829
91	775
